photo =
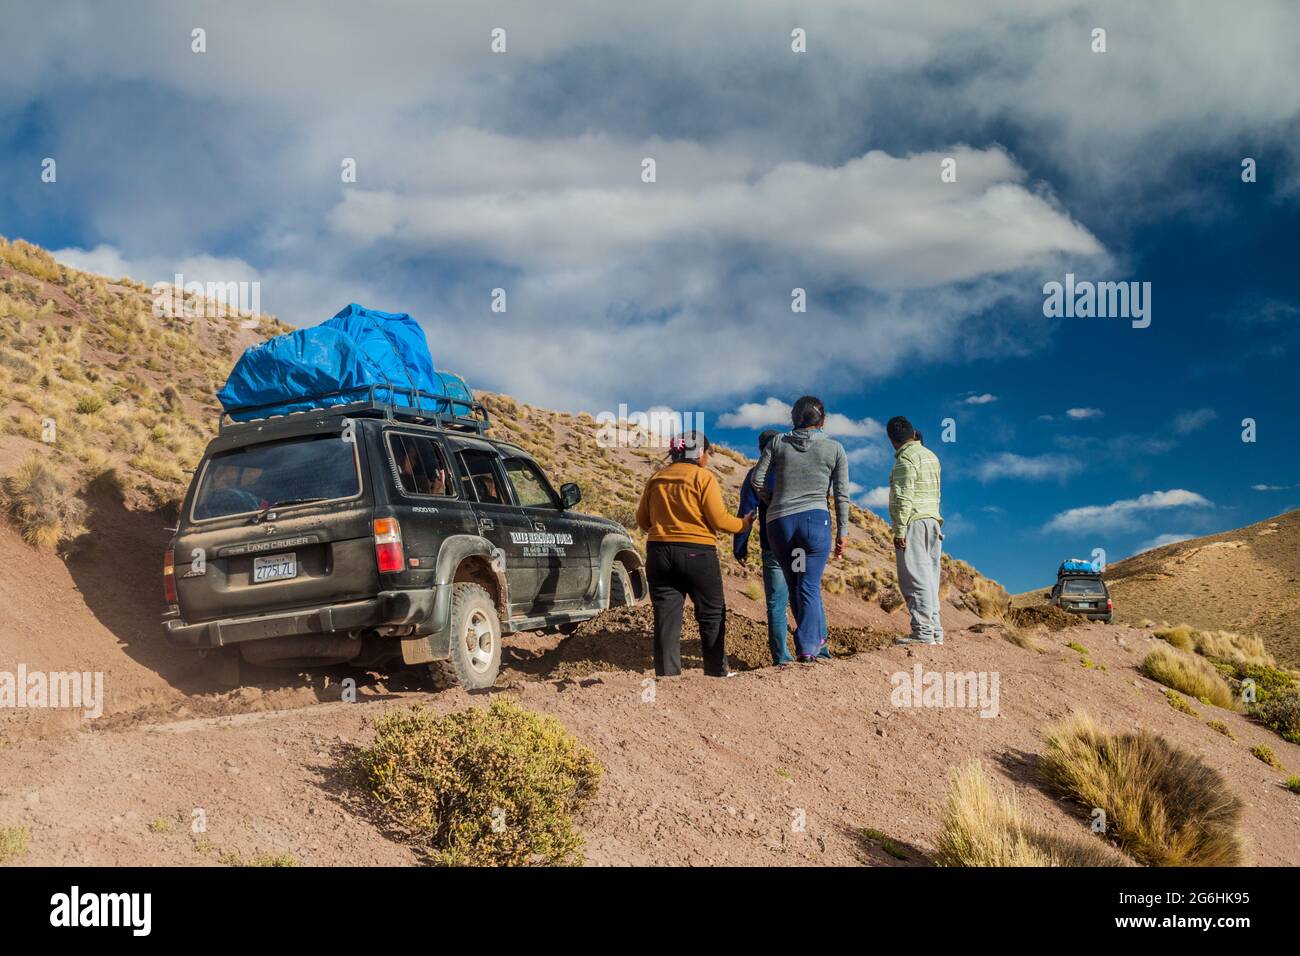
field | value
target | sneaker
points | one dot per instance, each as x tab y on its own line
910	640
727	674
807	658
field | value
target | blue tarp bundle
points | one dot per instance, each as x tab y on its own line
1077	566
347	354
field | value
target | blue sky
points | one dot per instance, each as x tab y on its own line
774	170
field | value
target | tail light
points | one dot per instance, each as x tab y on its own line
388	544
169	576
1110	605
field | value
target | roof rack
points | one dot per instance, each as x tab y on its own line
1077	568
422	408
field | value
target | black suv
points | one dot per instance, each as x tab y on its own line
369	534
1084	594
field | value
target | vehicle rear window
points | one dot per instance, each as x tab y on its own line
318	467
1083	586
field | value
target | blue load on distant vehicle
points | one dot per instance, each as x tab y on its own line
1077	566
359	355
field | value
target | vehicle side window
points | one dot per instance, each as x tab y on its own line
480	477
420	465
531	487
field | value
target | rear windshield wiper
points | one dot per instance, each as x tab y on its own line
283	503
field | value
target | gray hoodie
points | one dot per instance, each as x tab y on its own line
806	466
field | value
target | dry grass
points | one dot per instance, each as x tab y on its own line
1164	805
42	504
1179	703
1188	673
982	827
13	842
1264	752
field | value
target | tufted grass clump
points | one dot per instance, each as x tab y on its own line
1189	674
495	787
42	504
983	827
1164	805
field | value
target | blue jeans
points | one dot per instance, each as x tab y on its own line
778	599
802	543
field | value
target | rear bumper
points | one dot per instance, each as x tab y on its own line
1092	614
415	607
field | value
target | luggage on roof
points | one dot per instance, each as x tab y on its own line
360	355
1076	566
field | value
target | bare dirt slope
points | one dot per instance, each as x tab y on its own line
708	772
1246	580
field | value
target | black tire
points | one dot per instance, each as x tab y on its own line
620	586
475	641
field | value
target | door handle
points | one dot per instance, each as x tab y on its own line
485	524
539	526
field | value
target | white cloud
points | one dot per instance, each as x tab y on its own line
983	399
875	498
773	411
1188	422
1080	414
1124	514
1031	468
522	171
876	219
866	455
1273	487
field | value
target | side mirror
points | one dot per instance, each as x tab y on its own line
1047	595
570	495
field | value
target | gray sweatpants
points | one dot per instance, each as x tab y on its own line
918	578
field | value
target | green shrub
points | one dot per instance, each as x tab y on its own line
1220	727
493	787
1269	681
1164	805
1281	713
1187	673
1265	753
1178	703
13	842
1293	784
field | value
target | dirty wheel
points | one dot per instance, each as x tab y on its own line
620	586
475	640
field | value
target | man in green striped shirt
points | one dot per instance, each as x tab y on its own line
917	528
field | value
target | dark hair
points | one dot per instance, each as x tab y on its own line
687	447
919	439
808	412
900	430
765	439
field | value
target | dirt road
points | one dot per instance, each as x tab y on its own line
771	767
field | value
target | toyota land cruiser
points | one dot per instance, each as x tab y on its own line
369	534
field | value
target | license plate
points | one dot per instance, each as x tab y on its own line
275	567
1086	604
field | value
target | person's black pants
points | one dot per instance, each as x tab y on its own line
675	571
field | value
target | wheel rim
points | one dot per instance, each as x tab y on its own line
480	642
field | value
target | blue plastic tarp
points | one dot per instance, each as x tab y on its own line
337	362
